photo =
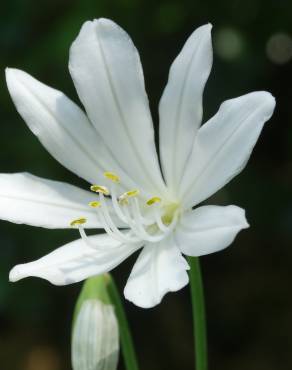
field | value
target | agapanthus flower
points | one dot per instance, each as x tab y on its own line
112	147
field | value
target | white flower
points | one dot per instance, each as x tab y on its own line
113	148
95	339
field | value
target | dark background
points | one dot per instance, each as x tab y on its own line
248	286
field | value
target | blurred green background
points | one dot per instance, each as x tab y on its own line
248	286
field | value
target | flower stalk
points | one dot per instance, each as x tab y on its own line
199	315
127	344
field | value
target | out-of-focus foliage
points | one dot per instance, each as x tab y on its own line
249	304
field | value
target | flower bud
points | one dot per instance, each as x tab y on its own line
95	337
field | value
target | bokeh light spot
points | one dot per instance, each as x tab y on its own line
279	48
43	358
228	43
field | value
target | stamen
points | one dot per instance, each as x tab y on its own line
159	221
110	226
85	238
90	243
128	208
153	201
145	221
124	198
108	229
100	189
95	204
132	193
78	221
116	205
112	176
138	227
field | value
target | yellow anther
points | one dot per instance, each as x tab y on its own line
94	204
123	199
112	176
153	201
99	189
132	193
78	221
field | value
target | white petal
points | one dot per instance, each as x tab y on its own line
106	69
224	145
76	261
159	269
209	229
32	200
58	123
180	108
62	127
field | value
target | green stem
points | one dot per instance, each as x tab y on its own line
199	316
125	334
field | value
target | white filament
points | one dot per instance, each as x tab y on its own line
140	228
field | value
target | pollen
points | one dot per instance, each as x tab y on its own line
112	176
123	199
94	204
78	221
132	193
153	200
100	189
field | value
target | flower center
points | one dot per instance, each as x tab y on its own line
149	221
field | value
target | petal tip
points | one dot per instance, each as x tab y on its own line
267	98
15	274
271	98
244	222
140	303
269	102
8	72
206	27
209	25
104	22
139	299
14	75
12	71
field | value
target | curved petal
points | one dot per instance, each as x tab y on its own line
35	201
180	108
209	229
62	127
159	269
224	145
107	73
76	261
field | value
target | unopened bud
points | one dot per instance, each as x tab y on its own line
95	337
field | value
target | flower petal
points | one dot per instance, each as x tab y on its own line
209	229
180	108
76	261
58	123
159	269
32	200
62	127
224	144
106	69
